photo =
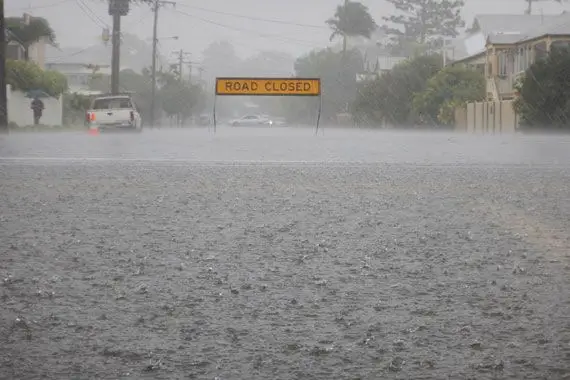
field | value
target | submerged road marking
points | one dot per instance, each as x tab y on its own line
31	160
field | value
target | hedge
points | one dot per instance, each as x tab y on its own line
28	76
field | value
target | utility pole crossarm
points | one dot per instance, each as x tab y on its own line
181	54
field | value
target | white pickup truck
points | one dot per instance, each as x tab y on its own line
114	112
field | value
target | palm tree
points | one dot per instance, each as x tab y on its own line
351	20
26	34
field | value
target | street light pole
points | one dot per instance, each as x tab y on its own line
153	69
3	95
157	4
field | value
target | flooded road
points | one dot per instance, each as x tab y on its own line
278	254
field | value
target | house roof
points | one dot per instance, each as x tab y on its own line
497	23
508	29
467	46
135	54
559	25
504	38
88	55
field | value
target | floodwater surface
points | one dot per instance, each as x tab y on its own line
278	254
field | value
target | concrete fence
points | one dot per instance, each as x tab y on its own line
19	110
487	117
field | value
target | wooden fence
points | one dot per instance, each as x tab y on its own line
487	117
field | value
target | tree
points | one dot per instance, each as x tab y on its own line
28	76
267	64
544	96
177	98
74	107
220	59
181	100
26	34
337	91
390	96
450	88
351	20
425	22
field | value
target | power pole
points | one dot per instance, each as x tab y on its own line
3	97
117	9
344	42
116	54
181	55
529	7
200	74
191	68
156	5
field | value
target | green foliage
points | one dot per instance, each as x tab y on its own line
175	97
351	20
28	76
27	34
425	21
451	87
390	96
180	99
338	84
544	99
74	107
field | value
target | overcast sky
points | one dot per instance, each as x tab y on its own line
293	26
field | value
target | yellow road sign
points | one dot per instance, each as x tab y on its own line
268	86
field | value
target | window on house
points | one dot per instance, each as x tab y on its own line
480	67
540	51
13	52
521	60
503	64
74	80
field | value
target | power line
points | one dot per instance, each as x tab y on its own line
181	54
39	6
138	21
71	54
90	14
273	21
264	35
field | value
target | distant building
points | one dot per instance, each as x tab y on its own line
377	61
14	50
376	56
503	47
80	64
37	51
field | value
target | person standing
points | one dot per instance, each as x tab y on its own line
37	108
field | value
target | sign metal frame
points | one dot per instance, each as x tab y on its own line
276	93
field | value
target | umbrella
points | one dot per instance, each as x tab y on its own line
37	94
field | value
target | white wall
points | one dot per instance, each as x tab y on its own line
19	110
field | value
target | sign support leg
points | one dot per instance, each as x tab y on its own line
319	114
214	113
